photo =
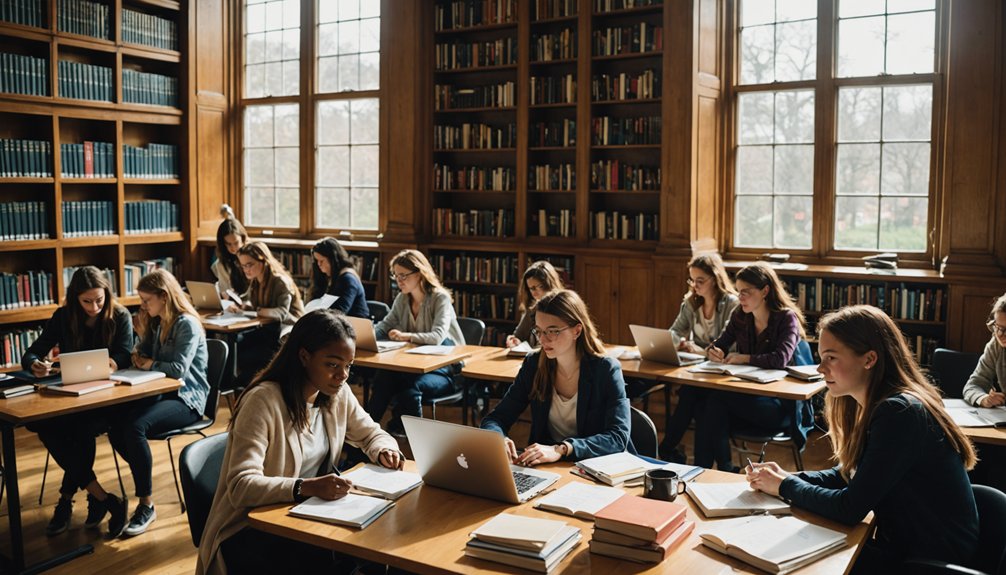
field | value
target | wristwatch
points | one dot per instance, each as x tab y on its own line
297	496
563	450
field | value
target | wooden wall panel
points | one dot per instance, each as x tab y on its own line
968	312
595	284
705	200
634	296
210	184
211	51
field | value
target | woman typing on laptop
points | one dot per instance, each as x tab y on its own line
577	394
88	319
286	436
172	341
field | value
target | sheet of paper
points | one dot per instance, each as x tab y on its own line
324	302
382	479
581	497
432	349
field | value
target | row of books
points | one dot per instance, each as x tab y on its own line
484	223
553	46
549	177
25	12
473	136
553	89
617	226
900	301
559	224
562	264
476	268
635	39
14	344
485	305
608	131
155	161
461	54
20	74
133	271
468	13
494	336
26	289
88	218
85	18
85	81
549	9
148	30
616	175
625	86
554	134
146	88
109	274
474	178
612	5
447	97
87	160
23	221
25	159
151	216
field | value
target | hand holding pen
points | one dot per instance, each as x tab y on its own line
714	353
994	398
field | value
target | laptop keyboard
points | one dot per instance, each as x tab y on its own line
525	482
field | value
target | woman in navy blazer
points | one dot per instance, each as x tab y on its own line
577	394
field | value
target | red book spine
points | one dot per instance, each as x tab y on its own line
88	159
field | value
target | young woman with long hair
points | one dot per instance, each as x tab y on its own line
231	236
333	273
568	378
539	278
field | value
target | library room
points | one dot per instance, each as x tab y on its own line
386	287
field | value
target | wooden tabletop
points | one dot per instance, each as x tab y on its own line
427	530
990	435
234	327
42	404
402	361
493	366
786	388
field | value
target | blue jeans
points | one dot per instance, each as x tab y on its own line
407	391
723	409
139	419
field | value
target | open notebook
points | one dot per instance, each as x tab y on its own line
773	544
966	415
735	498
352	510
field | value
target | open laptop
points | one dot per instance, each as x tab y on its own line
204	295
661	345
366	338
82	367
471	460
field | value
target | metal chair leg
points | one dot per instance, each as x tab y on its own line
45	471
174	473
122	486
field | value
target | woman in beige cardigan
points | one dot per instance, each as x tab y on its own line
286	436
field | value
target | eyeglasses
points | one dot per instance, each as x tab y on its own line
747	292
402	277
999	330
249	265
697	282
550	333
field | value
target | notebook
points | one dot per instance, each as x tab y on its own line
323	302
526	542
724	368
616	468
77	389
966	415
805	372
762	375
522	349
734	498
579	499
136	376
353	510
773	544
383	482
661	345
366	338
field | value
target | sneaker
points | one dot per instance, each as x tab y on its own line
141	520
96	510
117	515
60	518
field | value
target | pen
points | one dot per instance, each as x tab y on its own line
751	464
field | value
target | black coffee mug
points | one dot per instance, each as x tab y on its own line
662	484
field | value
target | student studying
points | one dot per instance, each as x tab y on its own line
539	278
285	438
231	237
985	386
576	393
333	273
899	454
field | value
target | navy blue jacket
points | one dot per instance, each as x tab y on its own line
57	332
910	477
602	409
352	297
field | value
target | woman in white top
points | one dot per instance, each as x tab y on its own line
231	237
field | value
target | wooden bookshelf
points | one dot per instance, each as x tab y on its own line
57	119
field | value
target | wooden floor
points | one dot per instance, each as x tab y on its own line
167	546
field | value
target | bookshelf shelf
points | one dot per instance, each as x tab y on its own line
552	149
85	42
140	51
477	29
77	181
628	147
90	241
509	109
622	192
478	69
630	56
475	151
557	20
25	314
24	245
27	180
558	105
152	182
551	192
638	102
24	32
155	238
637	10
558	62
166	4
506	192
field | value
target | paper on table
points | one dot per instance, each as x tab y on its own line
225	320
432	349
520	350
323	302
716	367
579	499
614	352
382	481
630	354
734	498
966	415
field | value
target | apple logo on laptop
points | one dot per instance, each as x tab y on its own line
87	368
462	461
653	344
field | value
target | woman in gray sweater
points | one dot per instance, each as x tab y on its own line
422	313
985	386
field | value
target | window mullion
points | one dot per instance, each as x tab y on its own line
825	132
307	120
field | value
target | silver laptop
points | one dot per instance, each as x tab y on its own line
204	295
471	460
366	338
661	345
84	366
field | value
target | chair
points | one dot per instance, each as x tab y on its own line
199	466
643	433
378	310
217	351
473	330
991	559
951	369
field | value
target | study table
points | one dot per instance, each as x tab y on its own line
230	334
402	361
989	435
42	405
427	530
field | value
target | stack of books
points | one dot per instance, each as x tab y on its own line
637	529
616	468
526	542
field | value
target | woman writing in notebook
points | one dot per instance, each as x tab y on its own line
705	311
539	278
766	328
88	319
899	454
286	436
985	386
333	273
577	394
422	313
231	237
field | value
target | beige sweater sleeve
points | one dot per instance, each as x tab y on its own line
254	430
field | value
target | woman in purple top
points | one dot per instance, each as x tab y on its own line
767	328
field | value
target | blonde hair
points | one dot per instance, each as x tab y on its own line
760	275
544	272
161	283
258	288
863	328
569	308
415	261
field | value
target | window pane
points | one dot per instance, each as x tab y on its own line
272	38
911	43
333	122
348	171
796	51
908	112
753	221
754	170
370	35
288	207
755	122
254	49
910	5
370	68
271	165
903	223
366	121
850	8
332	162
856	223
858	170
328	39
861	47
260	206
287	167
793	221
349	72
756	52
333	207
287	125
754	12
258	126
905	170
255	81
794	170
328	74
259	167
370	10
364	207
859	114
790	10
794	117
365	164
255	19
348	9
